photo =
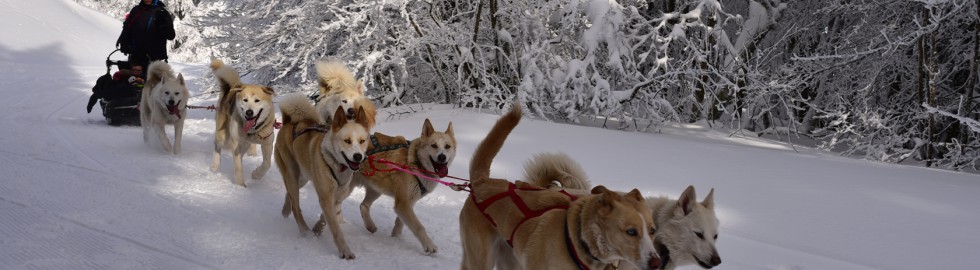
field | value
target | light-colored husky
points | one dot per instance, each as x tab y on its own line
519	226
686	229
433	152
245	116
163	102
326	155
338	88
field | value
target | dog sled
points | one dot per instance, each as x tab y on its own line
119	100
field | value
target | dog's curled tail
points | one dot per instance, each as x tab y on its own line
545	168
296	108
227	76
490	146
334	75
156	72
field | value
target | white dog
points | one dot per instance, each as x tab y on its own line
163	102
339	88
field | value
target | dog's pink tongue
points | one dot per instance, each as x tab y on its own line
442	170
354	165
249	123
174	110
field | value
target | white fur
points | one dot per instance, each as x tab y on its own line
163	89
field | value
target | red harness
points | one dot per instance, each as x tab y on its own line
528	213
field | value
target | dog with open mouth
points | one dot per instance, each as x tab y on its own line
163	102
516	225
245	116
432	152
328	156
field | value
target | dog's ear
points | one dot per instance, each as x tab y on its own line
709	201
599	189
607	199
231	96
361	117
449	130
427	129
339	119
687	200
269	90
635	194
180	77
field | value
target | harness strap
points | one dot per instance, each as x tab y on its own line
378	148
318	128
519	202
260	127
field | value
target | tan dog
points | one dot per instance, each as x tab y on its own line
327	156
433	152
163	102
338	88
245	117
548	228
687	229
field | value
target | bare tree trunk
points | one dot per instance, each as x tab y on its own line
933	55
468	67
974	74
432	59
921	80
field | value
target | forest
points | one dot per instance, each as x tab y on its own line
891	81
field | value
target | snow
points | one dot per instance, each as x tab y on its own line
78	194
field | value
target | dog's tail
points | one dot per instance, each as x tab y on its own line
156	72
333	75
227	76
490	146
546	168
297	108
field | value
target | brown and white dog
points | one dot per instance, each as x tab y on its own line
326	155
686	229
432	152
245	116
338	88
163	102
520	226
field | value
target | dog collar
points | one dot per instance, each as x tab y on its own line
571	250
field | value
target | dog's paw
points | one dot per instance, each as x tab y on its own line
256	174
346	254
318	228
430	250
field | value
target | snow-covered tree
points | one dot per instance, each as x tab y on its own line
886	80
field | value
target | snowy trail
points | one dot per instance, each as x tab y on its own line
78	194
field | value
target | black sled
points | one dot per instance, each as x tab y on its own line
119	100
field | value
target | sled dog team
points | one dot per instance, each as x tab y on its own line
554	219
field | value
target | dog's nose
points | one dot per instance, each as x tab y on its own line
249	113
715	259
441	158
350	112
654	262
171	103
358	157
